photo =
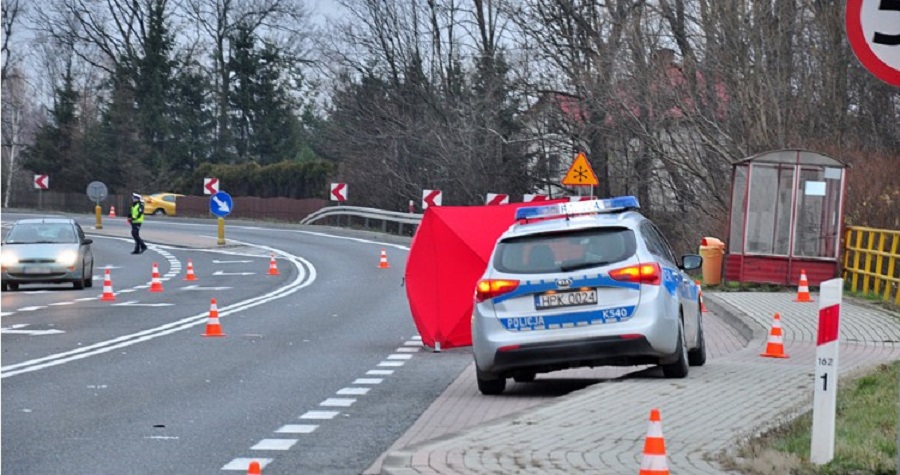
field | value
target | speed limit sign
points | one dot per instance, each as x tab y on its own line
873	29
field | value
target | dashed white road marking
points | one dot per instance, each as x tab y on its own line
380	372
62	303
337	402
319	415
244	463
135	303
406	349
390	364
31	309
368	381
399	357
274	444
297	429
353	391
417	338
412	343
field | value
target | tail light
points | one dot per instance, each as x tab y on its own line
489	288
641	274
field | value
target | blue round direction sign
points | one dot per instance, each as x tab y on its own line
220	204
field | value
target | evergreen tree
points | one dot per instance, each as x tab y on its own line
58	148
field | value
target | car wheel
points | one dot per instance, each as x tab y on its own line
89	278
679	368
13	286
4	288
488	385
159	211
697	356
524	377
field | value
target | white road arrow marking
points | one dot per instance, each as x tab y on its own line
223	206
216	261
197	287
218	272
135	303
18	329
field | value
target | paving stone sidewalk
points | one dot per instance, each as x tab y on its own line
601	429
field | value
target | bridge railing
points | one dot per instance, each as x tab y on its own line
395	222
870	262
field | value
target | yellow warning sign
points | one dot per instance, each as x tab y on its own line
580	173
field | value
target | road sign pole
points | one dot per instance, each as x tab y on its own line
825	396
221	240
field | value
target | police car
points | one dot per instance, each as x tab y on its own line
590	283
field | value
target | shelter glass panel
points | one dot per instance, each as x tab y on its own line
738	202
784	206
818	207
763	209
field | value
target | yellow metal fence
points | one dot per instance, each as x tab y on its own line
870	262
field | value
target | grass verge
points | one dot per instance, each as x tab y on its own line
865	439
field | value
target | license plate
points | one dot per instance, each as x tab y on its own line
569	298
36	270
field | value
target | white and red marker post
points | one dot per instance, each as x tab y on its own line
825	398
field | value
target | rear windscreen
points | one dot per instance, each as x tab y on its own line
562	252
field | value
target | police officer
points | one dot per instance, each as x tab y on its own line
136	218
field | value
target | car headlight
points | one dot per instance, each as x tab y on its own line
67	258
9	259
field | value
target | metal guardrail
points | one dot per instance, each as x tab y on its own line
391	221
870	257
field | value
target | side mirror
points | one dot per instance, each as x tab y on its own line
87	241
691	261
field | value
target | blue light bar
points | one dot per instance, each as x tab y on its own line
609	205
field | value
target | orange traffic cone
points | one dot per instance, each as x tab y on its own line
212	324
654	458
190	271
702	303
775	343
803	288
273	268
254	469
108	294
383	264
112	211
155	284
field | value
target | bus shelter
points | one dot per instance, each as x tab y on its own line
786	216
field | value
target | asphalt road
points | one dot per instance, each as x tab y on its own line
132	386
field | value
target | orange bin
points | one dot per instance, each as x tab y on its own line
712	251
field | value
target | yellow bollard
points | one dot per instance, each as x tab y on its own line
99	222
221	241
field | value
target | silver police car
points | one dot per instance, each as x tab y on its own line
590	283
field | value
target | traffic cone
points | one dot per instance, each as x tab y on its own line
112	211
190	271
383	264
155	284
254	469
212	324
702	303
803	288
273	268
654	458
775	343
108	294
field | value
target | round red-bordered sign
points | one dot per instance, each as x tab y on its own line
866	20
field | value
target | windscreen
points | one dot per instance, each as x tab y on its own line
33	233
563	252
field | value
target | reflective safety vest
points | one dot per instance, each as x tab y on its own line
137	213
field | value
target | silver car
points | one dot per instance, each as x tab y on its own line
590	283
46	250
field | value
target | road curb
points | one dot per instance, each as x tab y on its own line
734	317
